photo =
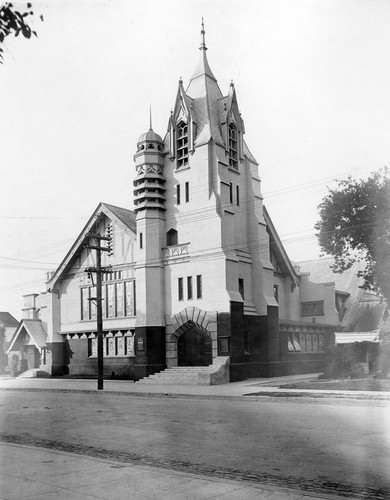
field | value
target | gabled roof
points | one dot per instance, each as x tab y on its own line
35	331
7	320
278	248
123	217
127	217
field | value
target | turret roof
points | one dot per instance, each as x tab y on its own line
150	135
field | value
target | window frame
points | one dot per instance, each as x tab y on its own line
182	144
190	288
187	192
199	288
180	289
233	145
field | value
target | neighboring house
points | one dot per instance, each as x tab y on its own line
27	346
198	274
361	312
8	325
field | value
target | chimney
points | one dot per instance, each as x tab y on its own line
29	310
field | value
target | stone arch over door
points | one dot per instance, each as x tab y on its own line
192	325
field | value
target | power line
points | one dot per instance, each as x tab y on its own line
30	261
38	218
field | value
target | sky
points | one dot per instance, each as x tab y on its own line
312	79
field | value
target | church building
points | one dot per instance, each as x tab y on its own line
197	273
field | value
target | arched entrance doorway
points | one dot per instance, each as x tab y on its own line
194	347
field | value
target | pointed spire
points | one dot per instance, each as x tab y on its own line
150	117
203	67
203	39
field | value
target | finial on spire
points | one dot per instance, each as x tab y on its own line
180	81
203	39
150	117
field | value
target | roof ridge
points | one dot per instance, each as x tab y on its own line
116	206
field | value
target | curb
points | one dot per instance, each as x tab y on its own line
251	396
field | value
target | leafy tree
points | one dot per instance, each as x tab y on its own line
14	22
355	225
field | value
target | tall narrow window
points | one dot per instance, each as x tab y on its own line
241	287
233	146
187	192
199	286
180	288
276	293
238	195
178	194
141	240
182	145
231	193
189	287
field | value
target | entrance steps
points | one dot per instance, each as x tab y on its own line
217	373
33	373
181	375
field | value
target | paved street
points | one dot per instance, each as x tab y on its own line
313	445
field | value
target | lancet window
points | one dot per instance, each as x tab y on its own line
182	145
233	147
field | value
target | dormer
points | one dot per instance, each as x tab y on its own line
232	126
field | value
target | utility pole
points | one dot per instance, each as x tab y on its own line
99	270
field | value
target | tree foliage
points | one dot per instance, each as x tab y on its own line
14	22
355	225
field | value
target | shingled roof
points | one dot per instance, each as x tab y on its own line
7	320
35	331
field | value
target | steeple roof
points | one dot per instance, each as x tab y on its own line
205	92
203	67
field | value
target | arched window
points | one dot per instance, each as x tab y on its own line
171	237
233	150
182	144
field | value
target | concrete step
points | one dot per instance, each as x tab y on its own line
34	373
180	375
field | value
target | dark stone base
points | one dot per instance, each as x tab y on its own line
243	371
115	370
149	357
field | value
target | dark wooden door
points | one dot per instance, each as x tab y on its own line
194	348
32	357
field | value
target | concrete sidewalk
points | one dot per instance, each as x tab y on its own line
249	388
39	474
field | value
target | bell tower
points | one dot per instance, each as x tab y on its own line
149	206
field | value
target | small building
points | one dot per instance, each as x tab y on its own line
26	349
361	313
8	325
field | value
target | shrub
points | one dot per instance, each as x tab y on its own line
342	362
384	358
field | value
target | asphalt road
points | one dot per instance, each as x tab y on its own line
303	441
